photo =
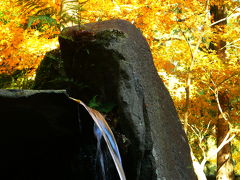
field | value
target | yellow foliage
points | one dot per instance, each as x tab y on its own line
20	49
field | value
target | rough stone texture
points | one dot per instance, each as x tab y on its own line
114	60
40	137
50	73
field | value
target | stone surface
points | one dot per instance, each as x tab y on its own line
50	73
41	138
114	61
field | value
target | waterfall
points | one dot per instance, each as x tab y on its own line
102	129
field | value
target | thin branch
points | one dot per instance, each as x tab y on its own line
203	32
169	39
223	81
233	11
219	105
224	19
189	45
234	41
207	127
221	20
225	141
193	129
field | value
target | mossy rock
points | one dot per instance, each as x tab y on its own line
5	80
49	71
51	74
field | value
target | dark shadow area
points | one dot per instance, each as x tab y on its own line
41	139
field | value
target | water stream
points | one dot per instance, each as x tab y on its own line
101	129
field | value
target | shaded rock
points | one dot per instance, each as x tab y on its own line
114	61
51	74
43	137
5	80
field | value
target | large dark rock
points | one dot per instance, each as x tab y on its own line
42	137
114	61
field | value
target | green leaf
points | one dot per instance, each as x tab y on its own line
103	108
43	19
93	103
106	108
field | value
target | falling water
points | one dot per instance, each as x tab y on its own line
102	129
100	152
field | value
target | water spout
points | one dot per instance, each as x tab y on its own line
107	135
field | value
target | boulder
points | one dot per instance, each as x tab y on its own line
43	137
113	60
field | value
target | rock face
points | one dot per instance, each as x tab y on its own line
114	61
41	137
50	73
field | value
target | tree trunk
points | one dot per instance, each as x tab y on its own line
198	168
224	157
186	109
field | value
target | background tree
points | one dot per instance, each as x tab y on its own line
21	48
224	156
